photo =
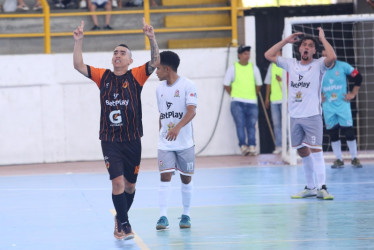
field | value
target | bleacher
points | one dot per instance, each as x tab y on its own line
178	24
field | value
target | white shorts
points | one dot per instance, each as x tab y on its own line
307	132
181	160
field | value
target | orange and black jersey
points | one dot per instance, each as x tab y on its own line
121	109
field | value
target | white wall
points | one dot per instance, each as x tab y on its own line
50	113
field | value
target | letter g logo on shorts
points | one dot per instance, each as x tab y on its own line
115	116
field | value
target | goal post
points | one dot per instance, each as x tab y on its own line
352	37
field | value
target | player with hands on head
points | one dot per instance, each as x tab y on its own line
304	105
121	126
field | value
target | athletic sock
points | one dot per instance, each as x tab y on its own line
320	168
163	197
186	197
120	204
129	200
337	149
352	146
308	171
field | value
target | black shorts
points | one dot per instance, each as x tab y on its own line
122	158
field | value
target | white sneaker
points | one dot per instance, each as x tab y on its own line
277	150
323	194
252	150
82	4
244	150
305	193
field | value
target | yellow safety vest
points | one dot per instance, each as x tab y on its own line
244	85
276	87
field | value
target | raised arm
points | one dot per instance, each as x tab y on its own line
271	54
155	54
330	53
77	54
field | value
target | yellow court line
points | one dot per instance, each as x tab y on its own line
138	241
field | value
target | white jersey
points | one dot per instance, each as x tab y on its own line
172	104
304	89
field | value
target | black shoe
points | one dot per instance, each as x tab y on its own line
95	27
126	227
107	27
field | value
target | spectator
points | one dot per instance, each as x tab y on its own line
273	81
243	81
93	5
23	6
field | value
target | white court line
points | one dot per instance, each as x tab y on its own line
138	241
177	187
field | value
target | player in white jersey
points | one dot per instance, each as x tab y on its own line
337	109
177	101
304	104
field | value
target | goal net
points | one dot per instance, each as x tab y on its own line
352	37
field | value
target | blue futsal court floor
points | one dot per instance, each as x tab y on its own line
233	208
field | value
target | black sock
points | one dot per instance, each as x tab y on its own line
129	199
120	204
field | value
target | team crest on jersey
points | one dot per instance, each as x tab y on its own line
334	96
299	96
171	125
125	84
337	73
176	94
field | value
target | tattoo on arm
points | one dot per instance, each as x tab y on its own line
155	56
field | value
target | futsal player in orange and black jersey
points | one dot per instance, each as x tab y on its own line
121	120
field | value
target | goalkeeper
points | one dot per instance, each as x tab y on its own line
337	109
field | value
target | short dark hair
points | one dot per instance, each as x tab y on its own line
171	59
243	48
316	43
124	45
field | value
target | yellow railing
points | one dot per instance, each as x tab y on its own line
47	15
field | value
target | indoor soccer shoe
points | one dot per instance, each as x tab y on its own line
323	194
185	221
338	164
356	163
126	228
305	193
122	231
162	223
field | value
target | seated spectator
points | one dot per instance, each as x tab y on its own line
23	6
93	5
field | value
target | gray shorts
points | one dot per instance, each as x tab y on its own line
307	132
181	160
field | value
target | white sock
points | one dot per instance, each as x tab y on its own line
337	149
308	171
352	145
319	168
163	197
186	197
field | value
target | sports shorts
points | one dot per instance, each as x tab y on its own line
181	160
122	158
307	132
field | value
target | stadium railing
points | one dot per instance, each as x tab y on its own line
234	9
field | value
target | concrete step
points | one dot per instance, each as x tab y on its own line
192	2
199	43
201	20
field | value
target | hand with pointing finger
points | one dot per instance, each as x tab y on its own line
78	32
148	30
